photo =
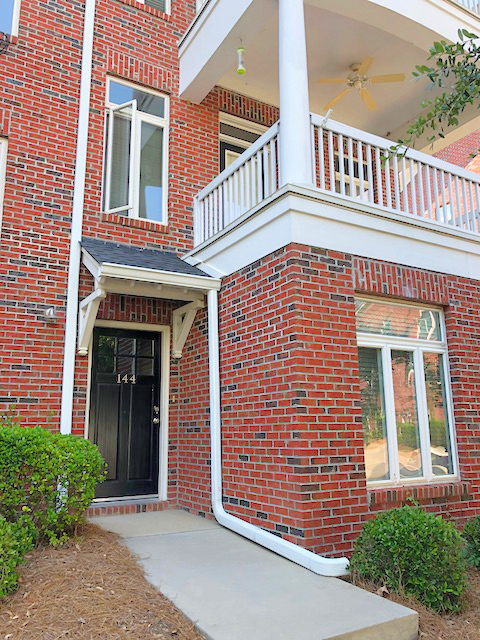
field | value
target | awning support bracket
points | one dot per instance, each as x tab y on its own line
183	319
87	314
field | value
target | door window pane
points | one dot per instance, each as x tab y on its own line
126	346
440	445
151	170
144	366
406	415
144	347
120	162
373	414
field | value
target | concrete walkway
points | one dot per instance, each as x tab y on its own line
234	589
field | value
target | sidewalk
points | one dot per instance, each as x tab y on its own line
234	589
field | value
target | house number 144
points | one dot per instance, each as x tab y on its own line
126	379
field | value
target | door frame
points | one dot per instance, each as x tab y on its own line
164	396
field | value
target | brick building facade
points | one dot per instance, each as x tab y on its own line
290	383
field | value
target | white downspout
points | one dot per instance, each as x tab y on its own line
77	221
308	559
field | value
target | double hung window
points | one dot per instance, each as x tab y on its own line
136	152
405	393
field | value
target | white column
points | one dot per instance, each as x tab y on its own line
295	140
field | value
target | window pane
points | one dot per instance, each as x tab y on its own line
373	414
156	4
145	366
151	169
125	364
406	415
440	445
398	320
120	162
144	347
6	16
106	350
126	346
146	102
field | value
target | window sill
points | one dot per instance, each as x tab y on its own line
424	492
154	12
136	223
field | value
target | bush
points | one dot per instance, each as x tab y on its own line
471	535
413	553
50	478
15	541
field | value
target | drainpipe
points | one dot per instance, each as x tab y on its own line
318	564
77	220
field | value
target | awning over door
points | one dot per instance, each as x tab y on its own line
127	270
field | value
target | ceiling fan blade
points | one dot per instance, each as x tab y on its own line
391	77
332	80
368	99
365	66
341	95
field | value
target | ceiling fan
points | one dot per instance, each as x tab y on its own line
358	79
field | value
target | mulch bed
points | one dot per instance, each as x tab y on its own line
461	626
91	588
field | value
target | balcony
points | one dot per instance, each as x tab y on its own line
353	166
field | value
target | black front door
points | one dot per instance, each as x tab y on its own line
125	410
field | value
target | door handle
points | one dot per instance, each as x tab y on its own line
156	421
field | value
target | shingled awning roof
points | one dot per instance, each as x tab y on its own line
125	254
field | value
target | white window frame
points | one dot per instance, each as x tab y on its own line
3	172
418	347
15	19
168	5
138	117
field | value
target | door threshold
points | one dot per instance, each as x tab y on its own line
121	500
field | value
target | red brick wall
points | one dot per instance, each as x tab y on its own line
459	152
292	430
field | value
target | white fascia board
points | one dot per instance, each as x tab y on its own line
311	218
155	276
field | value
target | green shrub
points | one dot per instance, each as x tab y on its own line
471	534
50	478
15	541
413	553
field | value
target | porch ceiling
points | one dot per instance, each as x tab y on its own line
334	43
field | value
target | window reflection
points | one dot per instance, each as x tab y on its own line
406	415
373	414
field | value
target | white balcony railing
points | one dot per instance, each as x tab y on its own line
354	166
473	5
245	183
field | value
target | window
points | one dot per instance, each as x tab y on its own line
236	135
136	152
405	394
3	167
9	15
161	5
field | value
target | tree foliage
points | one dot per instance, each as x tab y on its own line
455	70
